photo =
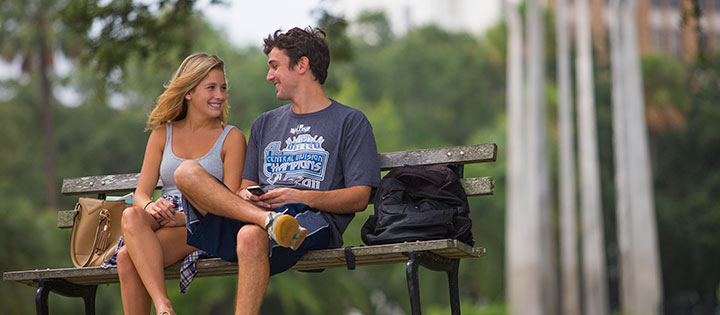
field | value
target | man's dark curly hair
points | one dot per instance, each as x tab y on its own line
309	42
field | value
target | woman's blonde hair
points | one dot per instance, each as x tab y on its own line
171	104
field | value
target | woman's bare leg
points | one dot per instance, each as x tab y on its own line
135	298
144	239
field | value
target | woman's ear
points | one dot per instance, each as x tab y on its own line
187	96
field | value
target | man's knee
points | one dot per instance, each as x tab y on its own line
252	241
186	172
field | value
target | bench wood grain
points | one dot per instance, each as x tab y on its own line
122	183
319	259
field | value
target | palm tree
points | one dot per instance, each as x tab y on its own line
519	282
640	278
27	38
33	32
594	265
531	251
566	167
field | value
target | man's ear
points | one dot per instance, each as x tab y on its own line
303	65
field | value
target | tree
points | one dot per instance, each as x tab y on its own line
538	168
443	85
682	115
594	265
35	33
128	28
640	278
531	274
566	168
27	36
374	28
514	252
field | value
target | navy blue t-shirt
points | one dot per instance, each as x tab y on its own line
329	149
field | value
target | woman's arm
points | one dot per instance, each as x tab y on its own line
161	210
233	154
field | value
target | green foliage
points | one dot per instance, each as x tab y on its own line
425	89
374	28
436	81
129	27
22	22
686	177
341	50
469	309
20	137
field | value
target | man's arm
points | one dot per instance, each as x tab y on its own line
344	200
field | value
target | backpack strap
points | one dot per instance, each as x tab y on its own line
349	258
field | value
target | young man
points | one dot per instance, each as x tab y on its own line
315	159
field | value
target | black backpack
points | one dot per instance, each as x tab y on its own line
419	203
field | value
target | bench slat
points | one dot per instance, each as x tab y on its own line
477	186
320	259
118	183
466	154
121	183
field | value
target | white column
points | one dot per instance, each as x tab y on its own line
569	264
640	277
595	294
522	278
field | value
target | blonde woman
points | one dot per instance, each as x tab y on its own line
189	122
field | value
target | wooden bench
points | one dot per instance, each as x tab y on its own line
438	255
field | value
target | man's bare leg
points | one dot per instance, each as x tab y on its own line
253	269
205	193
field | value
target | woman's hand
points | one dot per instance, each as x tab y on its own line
178	221
162	210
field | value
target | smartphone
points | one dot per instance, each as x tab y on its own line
256	190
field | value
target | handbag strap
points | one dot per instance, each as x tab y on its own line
103	216
97	236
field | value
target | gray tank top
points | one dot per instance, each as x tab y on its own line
212	161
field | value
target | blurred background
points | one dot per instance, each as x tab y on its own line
78	79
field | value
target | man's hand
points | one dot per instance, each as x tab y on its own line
343	200
254	199
280	196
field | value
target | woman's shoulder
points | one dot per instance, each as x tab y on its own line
157	138
235	140
159	132
235	133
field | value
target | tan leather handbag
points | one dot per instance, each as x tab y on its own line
96	231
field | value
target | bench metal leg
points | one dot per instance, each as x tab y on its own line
413	283
41	298
436	263
64	288
452	274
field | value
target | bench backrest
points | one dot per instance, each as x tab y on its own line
480	153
